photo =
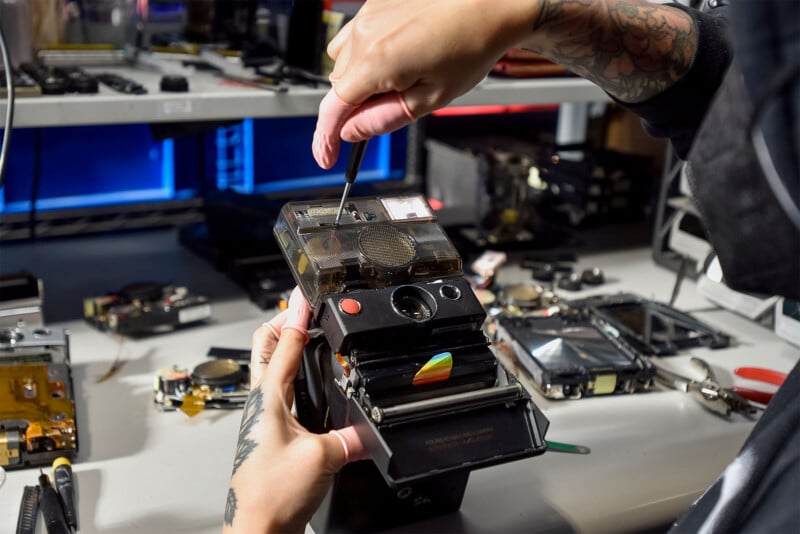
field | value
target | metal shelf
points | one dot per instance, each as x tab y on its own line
211	98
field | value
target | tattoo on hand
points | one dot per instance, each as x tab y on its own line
253	409
631	49
230	507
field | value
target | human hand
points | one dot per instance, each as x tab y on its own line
398	60
281	471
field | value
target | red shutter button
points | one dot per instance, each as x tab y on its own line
350	306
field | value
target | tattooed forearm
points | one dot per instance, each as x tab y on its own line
230	507
253	409
632	49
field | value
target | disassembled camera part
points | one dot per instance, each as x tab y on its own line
24	86
593	277
379	242
544	273
37	409
121	84
650	327
146	308
527	300
215	384
571	282
399	354
20	300
570	356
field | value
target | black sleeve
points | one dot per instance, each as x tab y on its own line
677	112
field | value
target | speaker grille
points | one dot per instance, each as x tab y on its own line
386	246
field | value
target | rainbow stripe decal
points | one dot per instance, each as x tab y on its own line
436	369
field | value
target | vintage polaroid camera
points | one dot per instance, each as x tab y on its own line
399	353
37	407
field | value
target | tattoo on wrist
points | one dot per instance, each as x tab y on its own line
633	50
253	409
230	507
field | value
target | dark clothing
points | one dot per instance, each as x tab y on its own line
745	216
712	117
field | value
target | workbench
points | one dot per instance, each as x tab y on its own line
143	471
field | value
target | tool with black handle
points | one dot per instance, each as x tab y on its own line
353	164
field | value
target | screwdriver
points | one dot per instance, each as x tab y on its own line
356	156
50	506
63	478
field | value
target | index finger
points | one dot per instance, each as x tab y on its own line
285	364
333	113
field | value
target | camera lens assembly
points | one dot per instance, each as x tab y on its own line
414	303
400	355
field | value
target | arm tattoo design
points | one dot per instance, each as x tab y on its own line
253	409
632	50
230	507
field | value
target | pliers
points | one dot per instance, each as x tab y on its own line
708	391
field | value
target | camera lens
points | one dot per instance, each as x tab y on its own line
413	308
414	303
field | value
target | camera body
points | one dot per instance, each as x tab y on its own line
37	406
398	351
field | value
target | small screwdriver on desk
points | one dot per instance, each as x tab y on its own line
353	164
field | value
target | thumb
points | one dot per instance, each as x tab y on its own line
376	117
354	449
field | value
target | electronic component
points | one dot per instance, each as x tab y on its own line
650	327
146	308
215	384
121	84
401	355
37	409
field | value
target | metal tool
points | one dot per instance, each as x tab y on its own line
707	392
356	156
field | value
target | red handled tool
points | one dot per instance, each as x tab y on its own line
760	374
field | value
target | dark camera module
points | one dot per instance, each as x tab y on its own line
414	303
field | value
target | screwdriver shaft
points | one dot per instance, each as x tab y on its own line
353	164
346	193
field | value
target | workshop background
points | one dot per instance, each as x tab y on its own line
148	148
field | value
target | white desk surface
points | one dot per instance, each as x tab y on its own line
143	471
